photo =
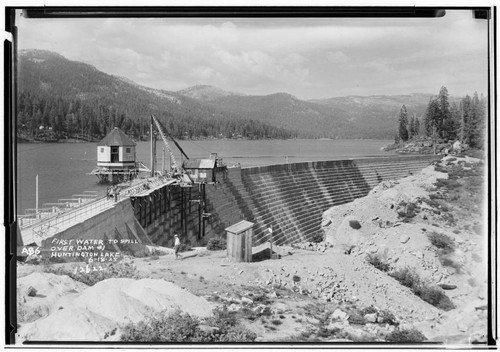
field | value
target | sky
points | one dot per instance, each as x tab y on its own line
310	58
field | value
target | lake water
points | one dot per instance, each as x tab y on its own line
62	167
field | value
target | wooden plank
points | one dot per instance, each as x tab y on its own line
239	227
249	245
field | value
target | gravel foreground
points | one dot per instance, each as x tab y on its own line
345	289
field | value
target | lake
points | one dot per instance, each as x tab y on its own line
62	167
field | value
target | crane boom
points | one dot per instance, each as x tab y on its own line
167	146
185	179
175	142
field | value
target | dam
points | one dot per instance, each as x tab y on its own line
287	198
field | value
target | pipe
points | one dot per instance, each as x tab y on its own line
36	196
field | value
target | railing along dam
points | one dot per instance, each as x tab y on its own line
291	198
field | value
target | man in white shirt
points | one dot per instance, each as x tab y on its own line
177	245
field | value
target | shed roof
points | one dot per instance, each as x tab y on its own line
116	138
239	227
199	164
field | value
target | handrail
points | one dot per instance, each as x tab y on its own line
49	226
83	200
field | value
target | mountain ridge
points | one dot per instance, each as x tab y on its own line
48	74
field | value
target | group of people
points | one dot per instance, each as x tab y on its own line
112	193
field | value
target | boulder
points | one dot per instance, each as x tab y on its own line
345	236
354	224
246	300
404	238
31	291
371	318
233	307
208	329
447	286
340	315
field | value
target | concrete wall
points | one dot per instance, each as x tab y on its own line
291	198
118	223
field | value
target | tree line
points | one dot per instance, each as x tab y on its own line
91	118
465	121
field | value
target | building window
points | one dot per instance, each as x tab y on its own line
127	150
102	150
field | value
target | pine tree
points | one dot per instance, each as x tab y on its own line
432	114
403	124
445	127
411	127
454	124
417	126
465	126
477	122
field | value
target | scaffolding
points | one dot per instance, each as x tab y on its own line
116	175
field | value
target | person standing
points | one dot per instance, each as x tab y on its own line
177	246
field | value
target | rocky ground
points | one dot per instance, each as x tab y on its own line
315	292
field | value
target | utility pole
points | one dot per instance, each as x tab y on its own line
152	148
36	196
163	162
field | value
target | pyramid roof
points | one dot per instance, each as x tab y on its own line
116	138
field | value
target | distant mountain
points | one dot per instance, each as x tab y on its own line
285	111
71	96
392	101
344	117
205	93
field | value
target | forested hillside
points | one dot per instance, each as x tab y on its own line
59	98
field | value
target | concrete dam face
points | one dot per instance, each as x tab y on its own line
289	198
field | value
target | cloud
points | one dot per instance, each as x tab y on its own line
306	57
337	57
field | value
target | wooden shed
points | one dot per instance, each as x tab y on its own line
204	170
200	170
239	241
